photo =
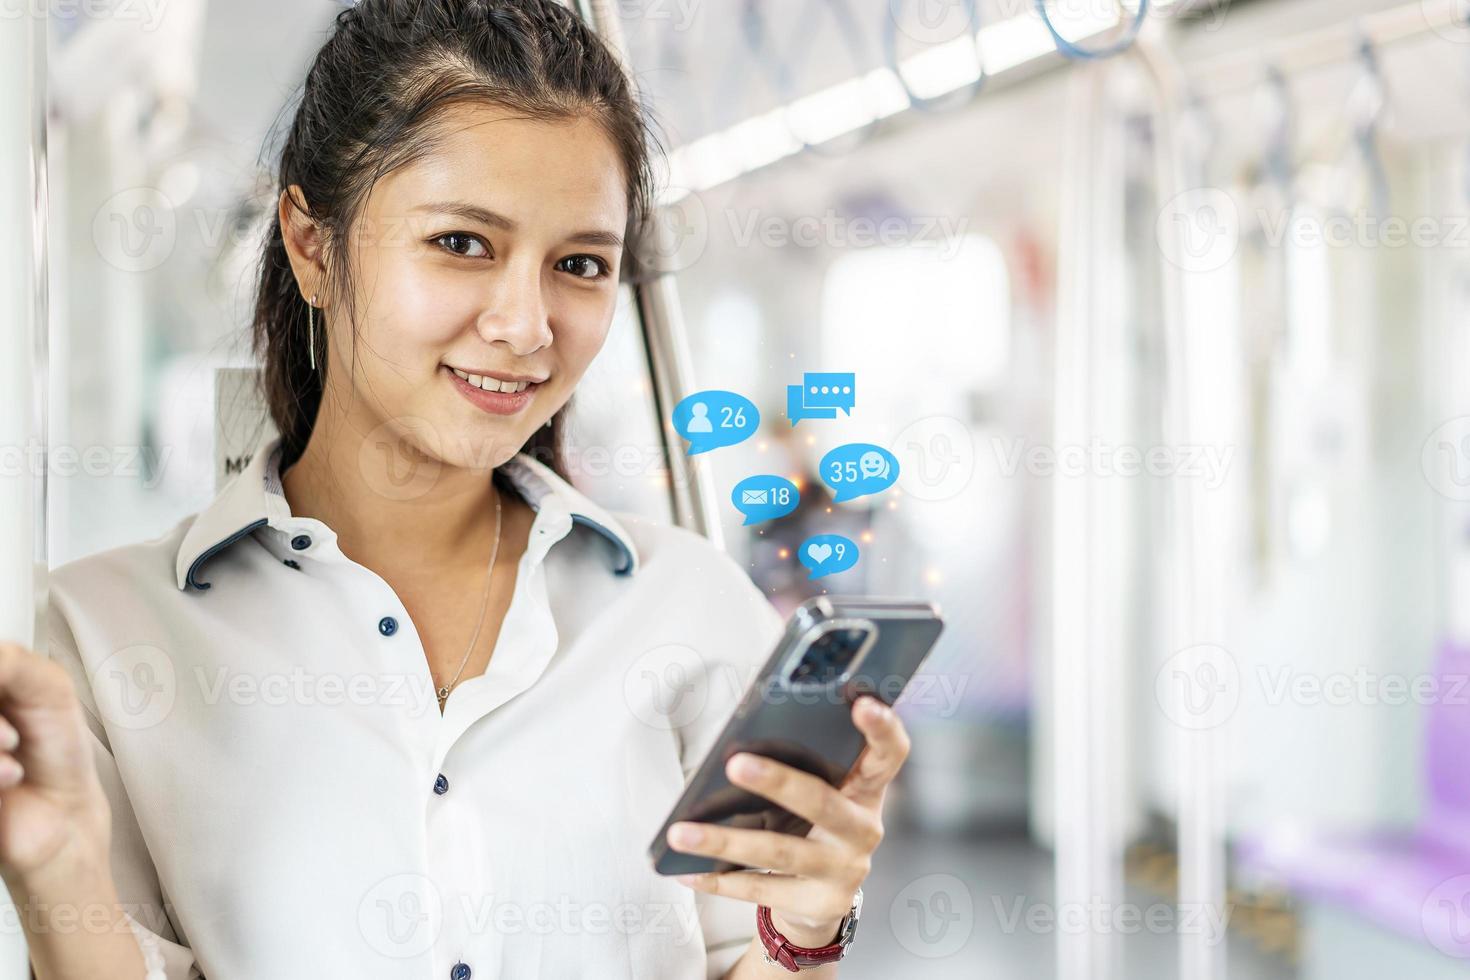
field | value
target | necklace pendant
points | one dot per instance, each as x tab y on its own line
443	695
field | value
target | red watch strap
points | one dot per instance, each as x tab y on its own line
789	955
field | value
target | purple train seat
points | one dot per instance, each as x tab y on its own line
1414	882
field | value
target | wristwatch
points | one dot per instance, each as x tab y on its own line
794	958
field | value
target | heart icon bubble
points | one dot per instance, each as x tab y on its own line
827	554
714	418
858	469
764	497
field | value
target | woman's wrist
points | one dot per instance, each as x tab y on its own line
80	868
82	860
74	922
806	935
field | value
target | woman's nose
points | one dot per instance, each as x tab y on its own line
515	311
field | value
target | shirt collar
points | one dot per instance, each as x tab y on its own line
243	505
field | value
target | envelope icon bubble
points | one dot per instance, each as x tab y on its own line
764	497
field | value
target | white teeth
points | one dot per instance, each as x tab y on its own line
490	384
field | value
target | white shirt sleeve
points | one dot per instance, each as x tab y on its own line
133	871
740	631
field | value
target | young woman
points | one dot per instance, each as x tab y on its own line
401	702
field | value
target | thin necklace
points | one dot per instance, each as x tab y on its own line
484	601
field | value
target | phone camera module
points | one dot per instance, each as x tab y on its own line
829	656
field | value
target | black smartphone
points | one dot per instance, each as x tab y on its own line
798	710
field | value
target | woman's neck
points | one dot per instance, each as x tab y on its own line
387	501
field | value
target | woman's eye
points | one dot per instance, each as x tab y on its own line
581	265
462	244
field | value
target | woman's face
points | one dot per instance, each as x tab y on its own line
494	256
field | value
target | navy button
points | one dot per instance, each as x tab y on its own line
441	785
460	971
387	626
301	542
291	563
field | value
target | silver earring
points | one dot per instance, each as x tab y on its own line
548	423
311	329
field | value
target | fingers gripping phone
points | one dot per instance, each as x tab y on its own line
798	710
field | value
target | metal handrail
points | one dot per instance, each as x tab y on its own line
23	205
661	322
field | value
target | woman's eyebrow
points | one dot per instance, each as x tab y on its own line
485	216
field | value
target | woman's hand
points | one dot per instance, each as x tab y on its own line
815	877
54	816
55	827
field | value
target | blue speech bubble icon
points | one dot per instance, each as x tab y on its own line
764	497
857	469
714	418
826	554
820	395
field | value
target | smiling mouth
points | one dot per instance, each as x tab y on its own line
487	383
493	395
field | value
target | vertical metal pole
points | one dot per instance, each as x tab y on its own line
661	320
22	325
22	358
1088	775
1197	347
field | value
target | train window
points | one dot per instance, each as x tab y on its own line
940	313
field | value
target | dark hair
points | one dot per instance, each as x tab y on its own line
365	109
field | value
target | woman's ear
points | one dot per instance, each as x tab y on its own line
305	243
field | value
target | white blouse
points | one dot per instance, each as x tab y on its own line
288	801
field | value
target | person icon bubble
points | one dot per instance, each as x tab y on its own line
713	418
873	465
700	421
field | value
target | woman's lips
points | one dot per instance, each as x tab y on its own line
494	402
